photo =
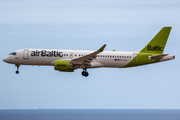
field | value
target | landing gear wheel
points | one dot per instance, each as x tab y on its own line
17	72
87	74
84	73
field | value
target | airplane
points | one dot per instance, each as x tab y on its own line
70	60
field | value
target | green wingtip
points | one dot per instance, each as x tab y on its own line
114	50
102	48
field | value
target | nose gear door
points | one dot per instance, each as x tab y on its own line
25	54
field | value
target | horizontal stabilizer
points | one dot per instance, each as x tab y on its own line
159	56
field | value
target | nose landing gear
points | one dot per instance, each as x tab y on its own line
17	71
85	73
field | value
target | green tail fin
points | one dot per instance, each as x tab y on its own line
158	43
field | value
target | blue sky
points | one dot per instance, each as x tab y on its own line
124	25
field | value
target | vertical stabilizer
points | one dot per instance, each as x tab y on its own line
158	43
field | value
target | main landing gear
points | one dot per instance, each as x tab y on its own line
85	73
17	71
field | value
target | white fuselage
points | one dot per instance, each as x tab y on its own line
48	56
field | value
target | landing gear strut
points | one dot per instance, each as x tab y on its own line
85	73
17	71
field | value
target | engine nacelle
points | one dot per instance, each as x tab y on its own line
64	65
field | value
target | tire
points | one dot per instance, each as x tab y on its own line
17	72
85	73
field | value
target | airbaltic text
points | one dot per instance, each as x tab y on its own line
154	48
44	53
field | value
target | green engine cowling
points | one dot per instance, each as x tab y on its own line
64	65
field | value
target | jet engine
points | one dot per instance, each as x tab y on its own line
64	65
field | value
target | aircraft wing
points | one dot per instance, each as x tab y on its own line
159	56
87	59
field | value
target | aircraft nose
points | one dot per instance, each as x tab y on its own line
6	59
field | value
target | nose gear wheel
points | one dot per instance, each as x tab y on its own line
17	71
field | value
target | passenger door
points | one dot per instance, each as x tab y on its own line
25	54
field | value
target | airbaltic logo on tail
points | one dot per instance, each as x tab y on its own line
45	53
154	48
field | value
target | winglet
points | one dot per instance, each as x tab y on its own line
102	48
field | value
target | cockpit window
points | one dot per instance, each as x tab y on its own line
13	53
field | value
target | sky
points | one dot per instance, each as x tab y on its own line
124	25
